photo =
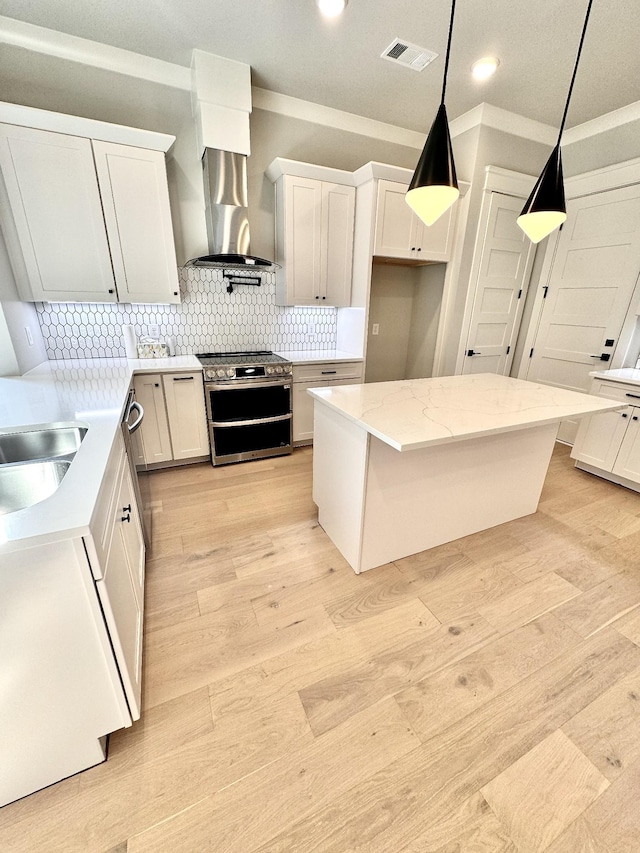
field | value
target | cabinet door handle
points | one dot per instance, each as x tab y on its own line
625	415
634	418
126	508
635	396
183	378
126	517
327	372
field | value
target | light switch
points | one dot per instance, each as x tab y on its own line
375	329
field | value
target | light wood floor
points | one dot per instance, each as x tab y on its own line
481	696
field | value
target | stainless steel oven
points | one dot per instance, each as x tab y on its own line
248	399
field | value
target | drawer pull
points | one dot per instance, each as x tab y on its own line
635	396
327	372
183	378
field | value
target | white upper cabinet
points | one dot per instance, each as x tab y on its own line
52	217
314	234
135	200
401	234
84	220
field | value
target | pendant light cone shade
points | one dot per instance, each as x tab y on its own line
434	186
545	209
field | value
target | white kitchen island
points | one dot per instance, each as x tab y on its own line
400	467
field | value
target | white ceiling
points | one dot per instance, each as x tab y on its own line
292	50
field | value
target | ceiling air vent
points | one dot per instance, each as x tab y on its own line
404	53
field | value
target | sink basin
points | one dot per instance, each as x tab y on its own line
24	484
40	444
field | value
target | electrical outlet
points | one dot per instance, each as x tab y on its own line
375	329
27	331
153	331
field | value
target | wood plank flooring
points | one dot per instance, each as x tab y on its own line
481	696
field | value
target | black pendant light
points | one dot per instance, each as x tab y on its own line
546	209
434	186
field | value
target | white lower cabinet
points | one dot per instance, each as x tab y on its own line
317	376
175	421
71	640
609	444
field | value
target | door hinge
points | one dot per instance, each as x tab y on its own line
508	349
531	353
519	293
546	290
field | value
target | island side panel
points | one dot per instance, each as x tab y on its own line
340	452
419	499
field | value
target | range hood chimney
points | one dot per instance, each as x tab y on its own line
221	103
225	191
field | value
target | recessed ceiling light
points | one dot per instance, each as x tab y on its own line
485	67
331	8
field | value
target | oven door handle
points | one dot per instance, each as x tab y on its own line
252	422
240	384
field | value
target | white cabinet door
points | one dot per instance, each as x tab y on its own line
184	394
154	432
302	403
396	224
301	261
338	212
52	217
599	439
401	234
135	198
628	461
121	593
314	241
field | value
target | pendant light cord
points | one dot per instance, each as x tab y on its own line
575	69
446	61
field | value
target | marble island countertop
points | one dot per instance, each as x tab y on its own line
85	392
630	375
416	413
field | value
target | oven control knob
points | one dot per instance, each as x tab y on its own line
231	372
269	371
278	370
210	374
220	372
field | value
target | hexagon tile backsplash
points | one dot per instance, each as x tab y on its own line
208	319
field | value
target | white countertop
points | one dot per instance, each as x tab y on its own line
415	413
630	375
89	392
318	356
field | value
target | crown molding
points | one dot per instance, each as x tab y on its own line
93	53
508	122
274	102
608	121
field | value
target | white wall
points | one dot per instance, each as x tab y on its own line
17	356
427	301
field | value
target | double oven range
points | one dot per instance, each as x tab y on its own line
248	398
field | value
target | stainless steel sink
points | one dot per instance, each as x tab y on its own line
40	444
24	484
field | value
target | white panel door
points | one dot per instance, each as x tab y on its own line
338	210
303	212
184	394
154	432
503	278
628	461
135	197
54	225
589	288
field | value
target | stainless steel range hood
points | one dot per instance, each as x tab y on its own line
225	189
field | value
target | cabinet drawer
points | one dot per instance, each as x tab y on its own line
629	394
328	371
